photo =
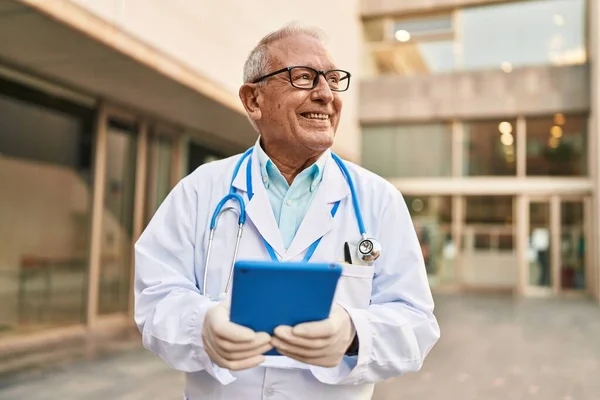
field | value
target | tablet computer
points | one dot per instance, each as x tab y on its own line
266	294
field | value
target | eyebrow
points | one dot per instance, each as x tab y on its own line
326	68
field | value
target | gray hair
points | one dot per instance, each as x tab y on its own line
257	64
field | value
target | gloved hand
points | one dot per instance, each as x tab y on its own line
321	343
230	345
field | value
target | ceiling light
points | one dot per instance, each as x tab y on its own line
505	128
558	19
556	131
506	67
507	139
402	35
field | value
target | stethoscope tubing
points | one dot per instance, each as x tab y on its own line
241	212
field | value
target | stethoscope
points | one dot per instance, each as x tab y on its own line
368	249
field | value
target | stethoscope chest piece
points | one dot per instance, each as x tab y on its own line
368	249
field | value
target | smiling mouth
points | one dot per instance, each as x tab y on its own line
317	116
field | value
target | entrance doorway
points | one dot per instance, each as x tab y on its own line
556	260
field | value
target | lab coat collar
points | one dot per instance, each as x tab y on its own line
317	221
259	209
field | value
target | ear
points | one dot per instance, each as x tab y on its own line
249	94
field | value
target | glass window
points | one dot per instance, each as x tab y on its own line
501	36
489	210
117	218
509	35
489	148
160	163
408	150
557	145
418	46
45	209
432	219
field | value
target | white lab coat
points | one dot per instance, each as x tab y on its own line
390	303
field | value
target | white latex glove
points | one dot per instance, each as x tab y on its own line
230	345
321	343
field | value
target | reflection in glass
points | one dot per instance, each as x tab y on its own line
481	37
523	33
572	246
408	150
539	244
45	214
160	150
556	145
432	218
489	148
117	219
418	58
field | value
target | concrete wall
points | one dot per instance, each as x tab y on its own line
524	91
372	8
215	37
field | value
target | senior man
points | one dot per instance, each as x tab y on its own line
299	204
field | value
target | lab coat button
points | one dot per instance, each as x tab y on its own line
269	392
289	202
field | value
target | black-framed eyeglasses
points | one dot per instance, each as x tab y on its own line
308	78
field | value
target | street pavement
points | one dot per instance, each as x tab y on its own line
492	347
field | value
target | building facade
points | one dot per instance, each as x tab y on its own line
484	114
104	106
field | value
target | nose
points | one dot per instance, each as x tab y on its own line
322	93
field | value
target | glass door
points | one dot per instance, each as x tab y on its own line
432	219
489	255
557	258
117	218
573	235
539	246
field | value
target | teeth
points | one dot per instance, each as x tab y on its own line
317	116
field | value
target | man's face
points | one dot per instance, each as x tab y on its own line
308	118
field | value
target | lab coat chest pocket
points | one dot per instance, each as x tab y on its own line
354	286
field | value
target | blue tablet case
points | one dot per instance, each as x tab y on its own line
266	294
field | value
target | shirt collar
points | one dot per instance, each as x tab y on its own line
269	170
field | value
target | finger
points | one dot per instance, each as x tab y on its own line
285	334
233	332
315	330
237	364
245	364
213	355
298	351
260	339
242	355
326	362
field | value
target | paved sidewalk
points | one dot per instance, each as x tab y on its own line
491	348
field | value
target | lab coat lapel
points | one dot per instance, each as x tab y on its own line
259	209
318	220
